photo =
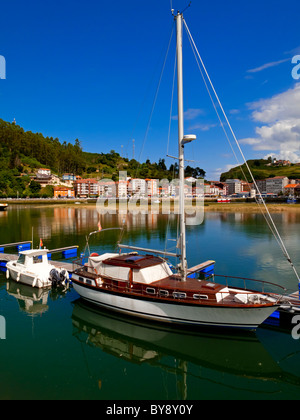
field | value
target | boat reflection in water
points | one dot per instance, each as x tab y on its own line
235	363
33	301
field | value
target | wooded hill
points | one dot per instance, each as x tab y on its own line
261	169
23	152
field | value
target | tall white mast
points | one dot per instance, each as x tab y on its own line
182	238
182	140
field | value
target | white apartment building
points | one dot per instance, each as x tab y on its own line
152	187
137	187
107	188
122	188
234	186
276	185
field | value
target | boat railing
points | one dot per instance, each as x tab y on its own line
79	264
249	284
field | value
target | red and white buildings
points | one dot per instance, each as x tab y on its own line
86	188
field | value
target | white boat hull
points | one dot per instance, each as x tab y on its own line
28	279
180	314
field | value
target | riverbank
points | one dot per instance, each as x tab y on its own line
252	207
233	206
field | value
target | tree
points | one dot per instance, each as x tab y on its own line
162	165
34	187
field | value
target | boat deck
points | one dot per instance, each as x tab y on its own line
190	285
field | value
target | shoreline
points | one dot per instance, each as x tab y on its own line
233	206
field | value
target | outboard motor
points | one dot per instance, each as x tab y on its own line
58	278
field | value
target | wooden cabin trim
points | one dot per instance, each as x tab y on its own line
131	293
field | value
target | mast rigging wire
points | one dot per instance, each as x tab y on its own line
270	222
156	94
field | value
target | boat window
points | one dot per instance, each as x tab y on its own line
81	279
179	295
21	259
88	282
164	293
195	296
150	290
37	260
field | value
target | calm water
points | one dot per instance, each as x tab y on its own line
57	347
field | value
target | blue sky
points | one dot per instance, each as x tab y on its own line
90	70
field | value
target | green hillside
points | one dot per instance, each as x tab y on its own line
23	152
260	170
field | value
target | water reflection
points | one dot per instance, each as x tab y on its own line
195	358
33	301
241	243
130	359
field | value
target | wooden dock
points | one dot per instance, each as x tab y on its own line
5	258
25	245
67	252
15	244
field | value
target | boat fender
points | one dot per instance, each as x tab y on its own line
7	274
65	277
94	254
18	277
34	282
254	299
99	283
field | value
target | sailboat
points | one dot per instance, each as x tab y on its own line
140	283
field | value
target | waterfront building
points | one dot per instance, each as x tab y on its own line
222	187
64	192
276	184
152	187
107	188
122	187
292	189
261	186
85	188
234	186
137	187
